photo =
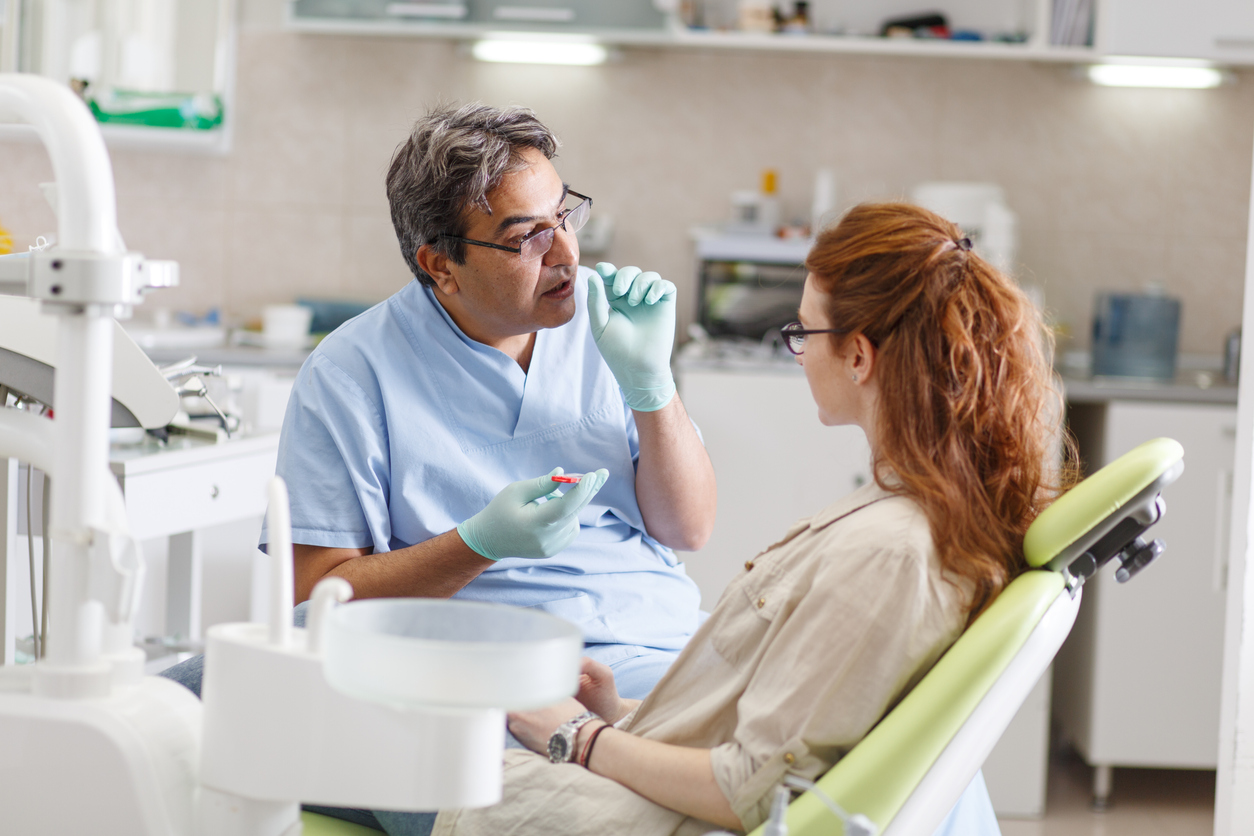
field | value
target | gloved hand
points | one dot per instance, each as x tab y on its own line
517	524
633	322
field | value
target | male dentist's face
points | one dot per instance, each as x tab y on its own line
498	294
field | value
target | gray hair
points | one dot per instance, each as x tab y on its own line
454	156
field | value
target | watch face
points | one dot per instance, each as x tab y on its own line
558	749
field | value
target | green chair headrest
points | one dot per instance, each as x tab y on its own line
1077	518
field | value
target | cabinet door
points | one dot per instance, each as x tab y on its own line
1219	30
774	461
1234	33
1158	640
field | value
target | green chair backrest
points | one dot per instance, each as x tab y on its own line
316	824
878	775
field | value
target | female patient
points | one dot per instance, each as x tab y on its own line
942	361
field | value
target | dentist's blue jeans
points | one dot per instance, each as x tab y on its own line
971	816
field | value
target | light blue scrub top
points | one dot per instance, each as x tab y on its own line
400	427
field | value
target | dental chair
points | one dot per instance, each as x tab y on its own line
909	771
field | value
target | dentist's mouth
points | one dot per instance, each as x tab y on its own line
561	291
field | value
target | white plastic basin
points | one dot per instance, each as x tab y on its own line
437	653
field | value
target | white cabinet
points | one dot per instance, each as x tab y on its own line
1013	29
774	461
160	73
1219	30
1137	683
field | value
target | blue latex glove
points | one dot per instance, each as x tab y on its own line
633	322
517	524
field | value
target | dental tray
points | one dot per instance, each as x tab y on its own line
434	653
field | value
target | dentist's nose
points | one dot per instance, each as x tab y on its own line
565	249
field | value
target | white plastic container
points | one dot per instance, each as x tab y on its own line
429	653
285	326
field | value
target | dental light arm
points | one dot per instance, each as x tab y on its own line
83	281
87	217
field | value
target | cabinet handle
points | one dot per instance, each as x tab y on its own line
1234	43
213	493
1223	525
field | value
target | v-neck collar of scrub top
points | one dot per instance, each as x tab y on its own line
527	401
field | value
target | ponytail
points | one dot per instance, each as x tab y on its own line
968	423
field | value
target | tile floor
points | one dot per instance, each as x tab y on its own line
1145	802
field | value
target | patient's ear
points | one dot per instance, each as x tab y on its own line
439	267
861	357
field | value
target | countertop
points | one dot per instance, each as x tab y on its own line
232	355
1188	387
1191	385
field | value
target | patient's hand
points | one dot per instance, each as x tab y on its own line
599	694
534	728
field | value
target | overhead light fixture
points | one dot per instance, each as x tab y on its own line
1144	72
540	49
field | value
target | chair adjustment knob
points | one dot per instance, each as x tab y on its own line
1136	557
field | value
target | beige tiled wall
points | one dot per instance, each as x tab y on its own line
1114	188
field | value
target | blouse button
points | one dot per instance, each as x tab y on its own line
789	758
761	603
748	565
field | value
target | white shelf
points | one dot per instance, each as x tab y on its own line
216	141
708	39
765	249
865	45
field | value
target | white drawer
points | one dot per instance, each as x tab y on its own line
189	497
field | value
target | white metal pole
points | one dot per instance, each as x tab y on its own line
81	429
279	529
1234	790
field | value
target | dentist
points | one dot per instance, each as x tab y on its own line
421	436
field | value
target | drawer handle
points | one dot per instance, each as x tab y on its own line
213	494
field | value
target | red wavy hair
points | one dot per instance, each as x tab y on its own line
969	418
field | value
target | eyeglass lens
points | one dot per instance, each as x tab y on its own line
796	343
541	242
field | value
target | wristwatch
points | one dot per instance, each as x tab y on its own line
562	743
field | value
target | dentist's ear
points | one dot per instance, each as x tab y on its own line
438	266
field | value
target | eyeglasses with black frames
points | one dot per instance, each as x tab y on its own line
795	335
536	244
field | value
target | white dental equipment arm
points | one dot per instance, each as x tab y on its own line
86	205
84	277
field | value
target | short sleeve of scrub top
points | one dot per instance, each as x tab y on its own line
321	435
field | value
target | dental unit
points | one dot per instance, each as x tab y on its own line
374	705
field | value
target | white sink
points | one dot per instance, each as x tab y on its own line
436	653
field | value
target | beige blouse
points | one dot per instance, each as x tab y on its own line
809	646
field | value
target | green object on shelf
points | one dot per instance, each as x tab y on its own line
200	112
